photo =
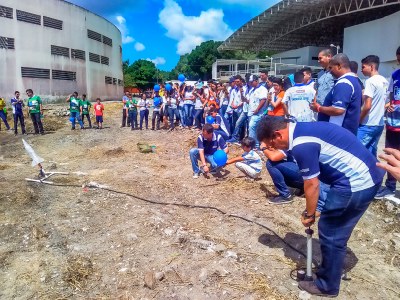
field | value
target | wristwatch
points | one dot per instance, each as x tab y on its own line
306	216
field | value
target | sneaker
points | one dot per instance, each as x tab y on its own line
311	288
195	175
384	192
281	200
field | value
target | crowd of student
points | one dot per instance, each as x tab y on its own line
320	138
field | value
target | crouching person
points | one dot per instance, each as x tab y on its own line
208	142
250	162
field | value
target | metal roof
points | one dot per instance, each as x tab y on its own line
292	24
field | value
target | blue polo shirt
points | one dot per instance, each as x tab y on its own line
346	94
210	147
223	124
393	118
335	155
17	107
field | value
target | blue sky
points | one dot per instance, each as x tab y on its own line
162	30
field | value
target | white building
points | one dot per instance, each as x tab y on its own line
56	48
296	29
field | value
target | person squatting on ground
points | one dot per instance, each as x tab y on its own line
221	125
392	139
373	109
3	115
208	142
35	108
353	181
85	110
99	112
144	105
18	112
249	162
75	110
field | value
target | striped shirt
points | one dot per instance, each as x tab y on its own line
345	95
334	155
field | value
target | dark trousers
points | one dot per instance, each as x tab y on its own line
222	133
19	116
285	174
37	123
198	118
4	118
125	117
233	117
342	211
392	141
88	118
156	115
133	117
144	115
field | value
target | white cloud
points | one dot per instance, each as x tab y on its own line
190	31
139	46
126	38
158	61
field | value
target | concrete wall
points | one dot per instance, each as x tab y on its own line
380	37
33	49
301	56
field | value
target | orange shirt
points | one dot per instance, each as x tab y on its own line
98	108
278	111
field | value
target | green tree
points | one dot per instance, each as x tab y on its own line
142	73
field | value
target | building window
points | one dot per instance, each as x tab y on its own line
52	23
78	54
109	80
35	73
94	57
114	80
94	35
28	17
6	12
6	43
63	75
107	41
57	50
120	82
105	60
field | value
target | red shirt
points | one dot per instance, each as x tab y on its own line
98	108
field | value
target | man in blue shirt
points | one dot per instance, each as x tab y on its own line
325	82
328	153
342	105
208	142
18	105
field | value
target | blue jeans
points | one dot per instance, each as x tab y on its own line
254	119
195	157
4	118
144	115
222	133
76	116
188	108
133	118
240	123
342	211
181	112
198	117
223	109
172	112
284	174
369	137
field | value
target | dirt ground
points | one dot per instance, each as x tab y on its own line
70	242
